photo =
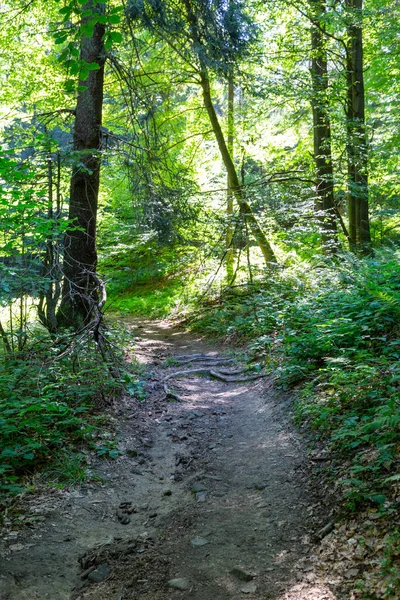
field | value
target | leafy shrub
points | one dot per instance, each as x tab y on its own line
48	404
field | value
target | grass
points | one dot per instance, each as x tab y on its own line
152	300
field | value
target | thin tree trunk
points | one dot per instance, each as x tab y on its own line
80	289
233	178
47	307
357	154
325	200
237	189
230	253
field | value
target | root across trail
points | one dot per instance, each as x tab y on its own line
208	367
208	499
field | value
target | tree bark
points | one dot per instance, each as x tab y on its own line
230	253
237	189
80	289
325	200
357	146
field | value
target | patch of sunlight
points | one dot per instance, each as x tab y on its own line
308	591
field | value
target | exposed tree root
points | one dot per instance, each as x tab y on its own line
186	372
222	374
210	363
206	359
230	371
170	394
219	375
194	357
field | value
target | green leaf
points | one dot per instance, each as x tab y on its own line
107	42
116	37
92	66
377	498
392	478
83	74
65	10
29	456
60	38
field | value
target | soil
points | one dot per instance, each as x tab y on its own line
210	499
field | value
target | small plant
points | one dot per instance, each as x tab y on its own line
68	469
108	449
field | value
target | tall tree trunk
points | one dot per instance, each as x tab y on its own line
237	189
230	253
357	152
325	200
80	288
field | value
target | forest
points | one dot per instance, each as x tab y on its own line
230	168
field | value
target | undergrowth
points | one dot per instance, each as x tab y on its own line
331	328
52	404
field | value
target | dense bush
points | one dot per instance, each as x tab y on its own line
49	399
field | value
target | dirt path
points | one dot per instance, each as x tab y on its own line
216	499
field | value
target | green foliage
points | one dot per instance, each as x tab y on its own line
68	469
49	404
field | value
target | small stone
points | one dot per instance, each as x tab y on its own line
123	517
219	494
211	446
249	588
179	584
198	414
198	542
132	452
201	496
16	547
167	493
152	515
99	574
257	485
351	573
198	487
86	573
242	574
136	471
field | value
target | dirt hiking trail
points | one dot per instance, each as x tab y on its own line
209	500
